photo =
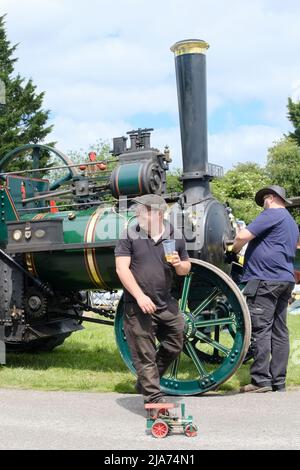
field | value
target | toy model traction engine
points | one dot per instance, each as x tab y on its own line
58	236
161	422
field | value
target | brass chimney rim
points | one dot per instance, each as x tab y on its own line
190	46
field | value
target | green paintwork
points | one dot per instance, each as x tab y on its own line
128	179
7	214
68	268
31	185
11	200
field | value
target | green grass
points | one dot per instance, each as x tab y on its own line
89	361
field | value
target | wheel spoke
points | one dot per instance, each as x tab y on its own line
217	339
215	293
185	291
214	322
200	368
231	331
174	369
213	343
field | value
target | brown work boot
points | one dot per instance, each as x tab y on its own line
251	388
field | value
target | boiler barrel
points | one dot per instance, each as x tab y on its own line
85	268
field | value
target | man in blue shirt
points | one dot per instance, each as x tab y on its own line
269	274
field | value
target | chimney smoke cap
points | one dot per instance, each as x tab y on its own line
190	46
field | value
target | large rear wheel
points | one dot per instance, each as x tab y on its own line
217	332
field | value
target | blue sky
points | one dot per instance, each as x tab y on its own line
106	67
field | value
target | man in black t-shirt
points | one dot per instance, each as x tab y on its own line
150	310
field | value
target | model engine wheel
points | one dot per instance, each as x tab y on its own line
159	429
190	430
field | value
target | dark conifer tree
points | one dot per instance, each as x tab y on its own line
22	119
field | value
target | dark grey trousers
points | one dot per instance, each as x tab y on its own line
270	335
141	331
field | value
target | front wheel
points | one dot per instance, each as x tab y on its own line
159	429
39	345
217	332
191	430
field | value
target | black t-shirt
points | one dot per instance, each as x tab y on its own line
148	264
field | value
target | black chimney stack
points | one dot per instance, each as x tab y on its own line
190	61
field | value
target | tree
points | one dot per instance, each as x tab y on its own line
22	119
238	189
100	147
174	184
283	165
283	161
294	117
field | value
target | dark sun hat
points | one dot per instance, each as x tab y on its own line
277	190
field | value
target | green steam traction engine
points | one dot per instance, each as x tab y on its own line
51	260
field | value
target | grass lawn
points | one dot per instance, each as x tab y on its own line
89	361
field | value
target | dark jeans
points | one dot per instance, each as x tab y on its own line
270	335
141	332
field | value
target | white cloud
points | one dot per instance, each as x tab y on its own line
75	135
296	90
92	101
101	63
245	144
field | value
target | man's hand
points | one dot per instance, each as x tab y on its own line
182	268
146	304
176	261
230	257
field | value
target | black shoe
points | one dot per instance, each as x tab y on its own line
279	388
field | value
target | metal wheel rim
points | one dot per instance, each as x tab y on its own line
160	429
235	356
71	172
190	431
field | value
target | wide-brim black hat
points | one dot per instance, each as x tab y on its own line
278	190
